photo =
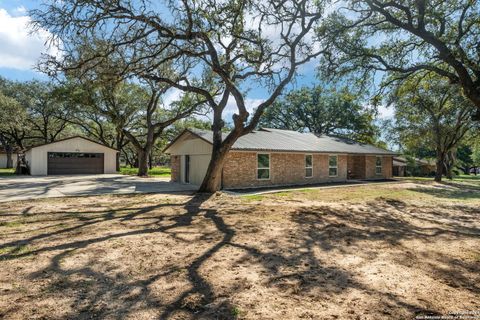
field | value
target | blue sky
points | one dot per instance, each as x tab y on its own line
20	50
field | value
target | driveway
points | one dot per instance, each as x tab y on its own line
27	187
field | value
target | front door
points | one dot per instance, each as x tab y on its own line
187	169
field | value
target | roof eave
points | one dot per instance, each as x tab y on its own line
165	150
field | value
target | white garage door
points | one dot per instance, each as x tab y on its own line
197	168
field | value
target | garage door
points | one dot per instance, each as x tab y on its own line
75	163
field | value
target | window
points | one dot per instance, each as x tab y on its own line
73	155
308	166
263	166
378	166
332	166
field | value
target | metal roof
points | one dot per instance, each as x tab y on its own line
293	141
419	162
399	163
69	138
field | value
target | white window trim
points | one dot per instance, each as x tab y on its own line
331	167
311	167
269	166
379	166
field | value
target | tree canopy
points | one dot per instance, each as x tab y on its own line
404	38
432	114
207	48
323	111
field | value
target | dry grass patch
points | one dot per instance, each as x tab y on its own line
367	252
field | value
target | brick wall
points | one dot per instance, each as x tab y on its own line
370	167
175	166
363	167
387	167
240	170
356	165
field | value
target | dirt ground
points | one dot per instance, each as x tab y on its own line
384	251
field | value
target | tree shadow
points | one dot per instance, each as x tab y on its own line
347	231
451	190
124	295
293	264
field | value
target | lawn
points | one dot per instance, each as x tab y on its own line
154	172
380	251
475	179
7	172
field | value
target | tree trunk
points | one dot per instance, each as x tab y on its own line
142	163
449	174
213	178
449	164
9	151
440	162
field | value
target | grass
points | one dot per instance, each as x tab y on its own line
11	224
236	312
460	178
461	189
11	252
7	172
154	172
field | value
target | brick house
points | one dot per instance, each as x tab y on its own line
273	157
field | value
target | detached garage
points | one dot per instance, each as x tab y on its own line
76	155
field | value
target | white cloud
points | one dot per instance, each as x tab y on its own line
21	10
385	112
171	96
250	104
19	48
231	108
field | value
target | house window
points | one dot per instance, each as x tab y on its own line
263	166
332	166
308	166
378	166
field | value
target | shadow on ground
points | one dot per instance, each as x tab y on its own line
192	259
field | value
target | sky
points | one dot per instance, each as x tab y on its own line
20	50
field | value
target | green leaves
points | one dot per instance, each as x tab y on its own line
323	111
404	38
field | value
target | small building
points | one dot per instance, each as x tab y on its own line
75	155
3	159
399	167
413	167
273	157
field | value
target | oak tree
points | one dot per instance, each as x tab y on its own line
217	50
403	38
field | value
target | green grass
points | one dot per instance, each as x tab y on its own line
475	179
11	224
7	172
14	251
462	179
236	312
464	189
154	172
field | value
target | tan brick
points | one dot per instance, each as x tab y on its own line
370	167
175	167
356	166
240	170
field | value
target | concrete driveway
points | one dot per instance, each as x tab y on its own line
27	187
